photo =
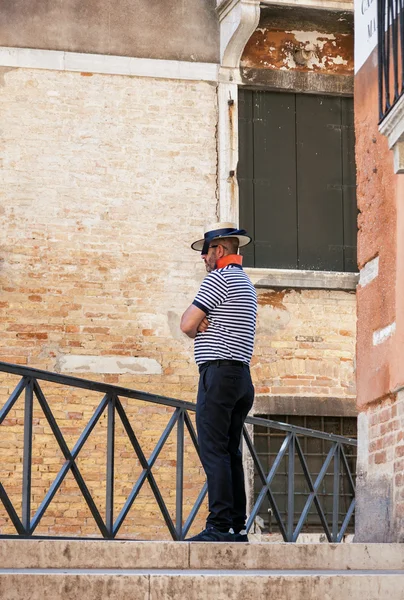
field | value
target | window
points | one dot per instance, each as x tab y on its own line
267	443
296	177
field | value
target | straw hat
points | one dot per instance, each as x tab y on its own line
220	230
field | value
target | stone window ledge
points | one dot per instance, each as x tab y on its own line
303	405
392	127
345	5
311	280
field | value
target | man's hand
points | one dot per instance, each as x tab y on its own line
204	324
192	321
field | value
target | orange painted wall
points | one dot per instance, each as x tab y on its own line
377	222
397	374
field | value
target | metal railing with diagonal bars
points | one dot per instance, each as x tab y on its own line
291	450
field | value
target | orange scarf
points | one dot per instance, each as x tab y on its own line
235	259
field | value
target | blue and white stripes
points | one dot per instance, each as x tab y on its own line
229	299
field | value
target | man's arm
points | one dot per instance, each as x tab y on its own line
193	320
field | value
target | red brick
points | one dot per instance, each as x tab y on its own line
375	445
72	329
385	415
32	336
399	451
399	479
399	466
389	440
75	415
380	457
390	426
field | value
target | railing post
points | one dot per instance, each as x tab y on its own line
110	465
179	476
390	23
402	43
394	35
291	488
335	499
380	34
27	456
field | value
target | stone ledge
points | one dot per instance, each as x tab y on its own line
131	555
346	5
58	60
240	586
298	81
289	278
305	405
392	127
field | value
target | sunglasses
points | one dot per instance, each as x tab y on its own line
211	246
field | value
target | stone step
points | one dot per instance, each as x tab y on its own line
119	554
98	584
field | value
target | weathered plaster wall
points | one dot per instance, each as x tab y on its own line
380	473
304	50
291	38
397	369
305	345
124	27
376	192
380	483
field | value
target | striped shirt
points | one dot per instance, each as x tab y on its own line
229	300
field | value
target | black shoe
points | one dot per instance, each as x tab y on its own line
241	536
211	534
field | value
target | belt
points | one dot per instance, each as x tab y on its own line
222	363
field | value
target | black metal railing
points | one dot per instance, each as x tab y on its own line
111	404
390	23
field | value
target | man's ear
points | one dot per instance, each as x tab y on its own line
220	251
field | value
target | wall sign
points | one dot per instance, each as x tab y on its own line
365	30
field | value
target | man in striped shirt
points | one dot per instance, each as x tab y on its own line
222	320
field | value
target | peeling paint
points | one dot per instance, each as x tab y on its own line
173	320
312	37
272	319
273	298
307	47
382	335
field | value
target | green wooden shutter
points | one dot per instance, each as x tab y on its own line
349	185
319	180
296	176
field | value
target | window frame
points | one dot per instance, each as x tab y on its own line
269	277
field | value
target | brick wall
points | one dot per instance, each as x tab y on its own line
380	471
106	181
305	343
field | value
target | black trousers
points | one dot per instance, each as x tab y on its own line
225	396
